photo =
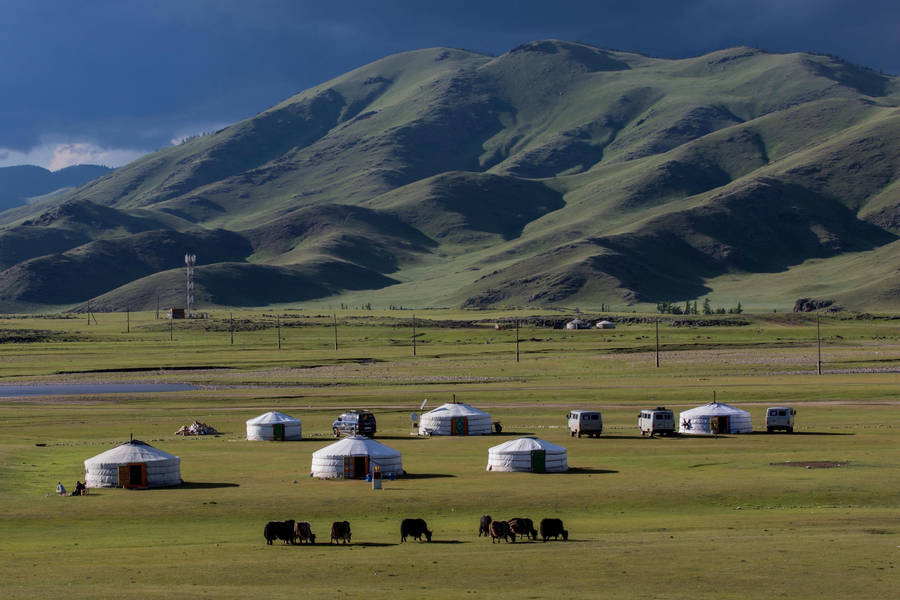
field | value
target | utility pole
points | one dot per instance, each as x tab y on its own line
231	318
414	334
517	340
127	321
278	329
157	308
818	346
657	343
334	324
171	326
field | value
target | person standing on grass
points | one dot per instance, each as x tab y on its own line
60	490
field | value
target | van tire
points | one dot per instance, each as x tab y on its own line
790	430
769	430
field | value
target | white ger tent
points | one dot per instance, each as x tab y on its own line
134	464
355	457
274	426
528	454
714	417
455	419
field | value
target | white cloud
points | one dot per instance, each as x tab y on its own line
66	155
55	156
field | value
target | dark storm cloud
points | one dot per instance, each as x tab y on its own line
137	74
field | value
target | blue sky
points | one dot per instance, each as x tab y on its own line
105	81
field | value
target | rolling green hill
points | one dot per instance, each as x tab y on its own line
555	174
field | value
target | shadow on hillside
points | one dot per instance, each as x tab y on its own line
206	485
427	475
588	471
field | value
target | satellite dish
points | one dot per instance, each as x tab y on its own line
424	402
414	417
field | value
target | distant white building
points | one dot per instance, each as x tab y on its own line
274	426
355	457
606	325
714	417
134	464
528	454
455	419
578	324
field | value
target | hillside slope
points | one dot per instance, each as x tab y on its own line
554	174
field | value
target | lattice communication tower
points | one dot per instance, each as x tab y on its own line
190	260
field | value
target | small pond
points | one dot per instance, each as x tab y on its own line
70	389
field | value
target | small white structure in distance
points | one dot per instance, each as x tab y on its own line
274	426
606	325
135	465
355	457
528	454
714	418
578	324
455	419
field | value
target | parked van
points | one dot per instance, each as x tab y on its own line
780	418
587	422
656	420
354	422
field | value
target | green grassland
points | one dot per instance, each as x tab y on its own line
648	518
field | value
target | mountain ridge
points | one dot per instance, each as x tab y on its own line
555	173
19	183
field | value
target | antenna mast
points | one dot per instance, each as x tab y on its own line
190	260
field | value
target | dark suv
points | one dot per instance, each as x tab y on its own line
354	422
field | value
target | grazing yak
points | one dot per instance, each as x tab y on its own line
500	530
415	528
523	527
484	528
279	530
340	530
553	528
303	532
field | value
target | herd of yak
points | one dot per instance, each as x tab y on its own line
293	532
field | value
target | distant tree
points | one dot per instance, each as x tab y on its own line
707	309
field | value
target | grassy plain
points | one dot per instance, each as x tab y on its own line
662	518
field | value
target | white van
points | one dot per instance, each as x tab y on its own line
587	422
780	418
656	420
